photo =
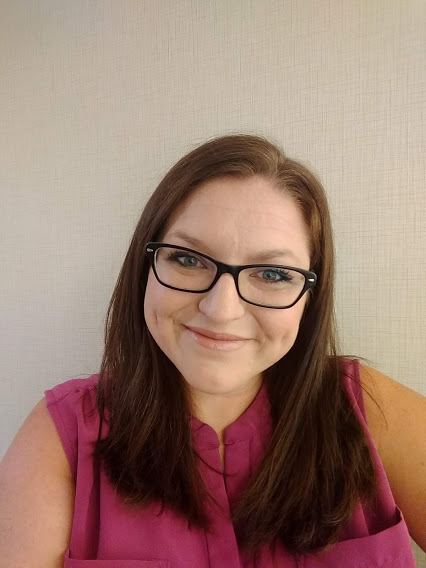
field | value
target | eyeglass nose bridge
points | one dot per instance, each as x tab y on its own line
223	268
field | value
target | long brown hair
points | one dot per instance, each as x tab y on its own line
318	464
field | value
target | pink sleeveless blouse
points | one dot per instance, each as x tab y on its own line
106	534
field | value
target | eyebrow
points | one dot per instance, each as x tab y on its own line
259	257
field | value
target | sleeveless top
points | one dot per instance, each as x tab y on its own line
107	534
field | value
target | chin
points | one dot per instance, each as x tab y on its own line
216	383
209	383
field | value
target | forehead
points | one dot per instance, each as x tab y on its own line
236	219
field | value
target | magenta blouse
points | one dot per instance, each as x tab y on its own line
106	534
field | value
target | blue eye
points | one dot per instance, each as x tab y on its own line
275	275
188	260
184	259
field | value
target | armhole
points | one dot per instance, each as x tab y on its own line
353	384
65	436
71	405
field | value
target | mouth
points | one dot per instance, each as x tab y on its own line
214	335
215	341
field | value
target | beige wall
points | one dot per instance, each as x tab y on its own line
98	99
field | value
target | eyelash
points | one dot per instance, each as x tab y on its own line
280	272
175	256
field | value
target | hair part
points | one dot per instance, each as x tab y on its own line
318	463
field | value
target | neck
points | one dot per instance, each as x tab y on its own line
221	410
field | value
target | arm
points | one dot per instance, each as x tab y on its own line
36	496
401	443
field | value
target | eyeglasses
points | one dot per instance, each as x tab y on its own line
264	285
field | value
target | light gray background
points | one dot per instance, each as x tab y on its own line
97	101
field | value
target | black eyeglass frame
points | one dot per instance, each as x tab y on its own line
234	270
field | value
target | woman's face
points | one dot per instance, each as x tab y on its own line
236	222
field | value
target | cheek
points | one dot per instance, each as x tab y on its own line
152	303
161	305
158	312
282	327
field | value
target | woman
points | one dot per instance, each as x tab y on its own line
223	429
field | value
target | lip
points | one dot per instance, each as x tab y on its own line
230	343
216	336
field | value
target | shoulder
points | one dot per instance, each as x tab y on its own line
38	472
72	407
395	416
391	409
72	390
39	439
36	494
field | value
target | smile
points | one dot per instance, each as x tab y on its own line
215	341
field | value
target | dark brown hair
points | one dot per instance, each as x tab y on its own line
318	463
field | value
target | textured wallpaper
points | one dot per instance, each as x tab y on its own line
98	99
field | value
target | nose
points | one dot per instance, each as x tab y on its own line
222	302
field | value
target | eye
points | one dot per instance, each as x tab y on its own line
185	259
273	275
